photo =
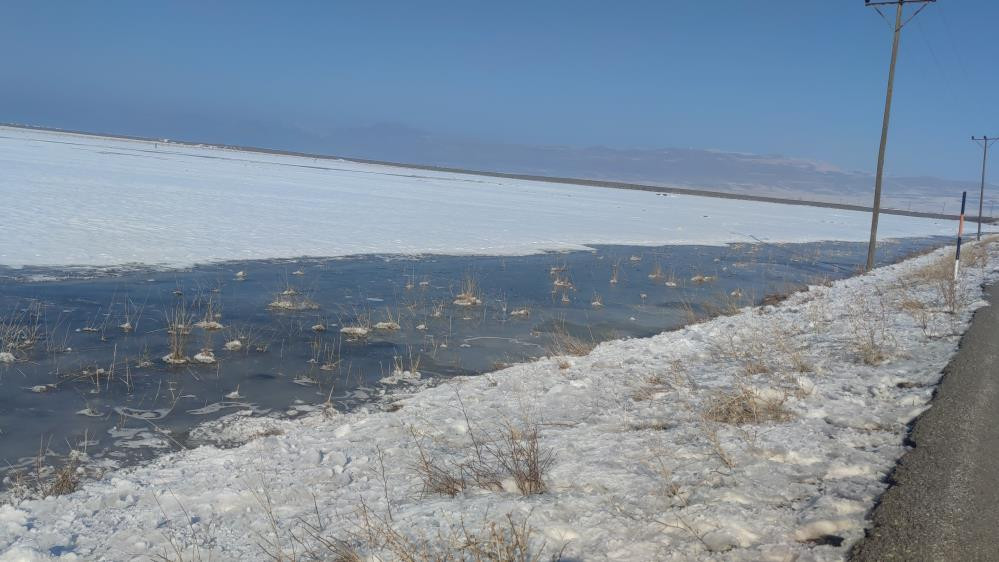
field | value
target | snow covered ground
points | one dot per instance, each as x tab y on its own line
76	200
649	462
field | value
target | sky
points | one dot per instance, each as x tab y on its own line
803	79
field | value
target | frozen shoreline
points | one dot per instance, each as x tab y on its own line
639	473
80	201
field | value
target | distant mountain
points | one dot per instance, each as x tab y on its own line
770	175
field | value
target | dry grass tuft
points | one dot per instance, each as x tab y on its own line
42	480
519	453
178	329
564	344
919	312
365	535
645	392
291	299
670	378
439	476
745	406
515	453
719	452
773	299
940	275
873	339
20	330
508	540
651	425
974	254
774	350
469	294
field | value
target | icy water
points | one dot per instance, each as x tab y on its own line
90	369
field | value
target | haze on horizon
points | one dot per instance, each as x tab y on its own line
417	82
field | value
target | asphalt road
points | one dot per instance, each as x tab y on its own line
944	500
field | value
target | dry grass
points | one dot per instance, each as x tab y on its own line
672	489
21	329
745	406
873	339
508	540
248	337
564	344
672	377
701	279
178	329
355	326
937	275
773	299
919	312
212	312
725	304
391	323
775	349
717	449
657	273
366	535
598	301
410	363
43	480
651	425
291	299
940	275
469	293
518	452
130	316
439	474
512	452
974	254
194	541
690	315
645	392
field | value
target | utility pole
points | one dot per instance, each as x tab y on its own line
899	24
984	142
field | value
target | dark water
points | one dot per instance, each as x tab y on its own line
86	382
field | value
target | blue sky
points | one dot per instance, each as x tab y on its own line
801	78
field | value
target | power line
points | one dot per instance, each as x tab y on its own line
899	24
984	142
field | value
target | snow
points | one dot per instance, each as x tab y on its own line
640	472
76	200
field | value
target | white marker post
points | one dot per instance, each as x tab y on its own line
960	231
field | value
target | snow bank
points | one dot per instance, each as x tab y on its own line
646	467
76	200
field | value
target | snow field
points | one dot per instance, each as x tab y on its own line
758	436
79	200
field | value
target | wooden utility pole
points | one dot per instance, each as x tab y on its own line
899	24
985	141
960	233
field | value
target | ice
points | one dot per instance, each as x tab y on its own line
76	200
637	476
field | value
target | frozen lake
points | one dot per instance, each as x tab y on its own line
95	377
78	200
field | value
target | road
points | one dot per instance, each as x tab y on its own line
944	500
